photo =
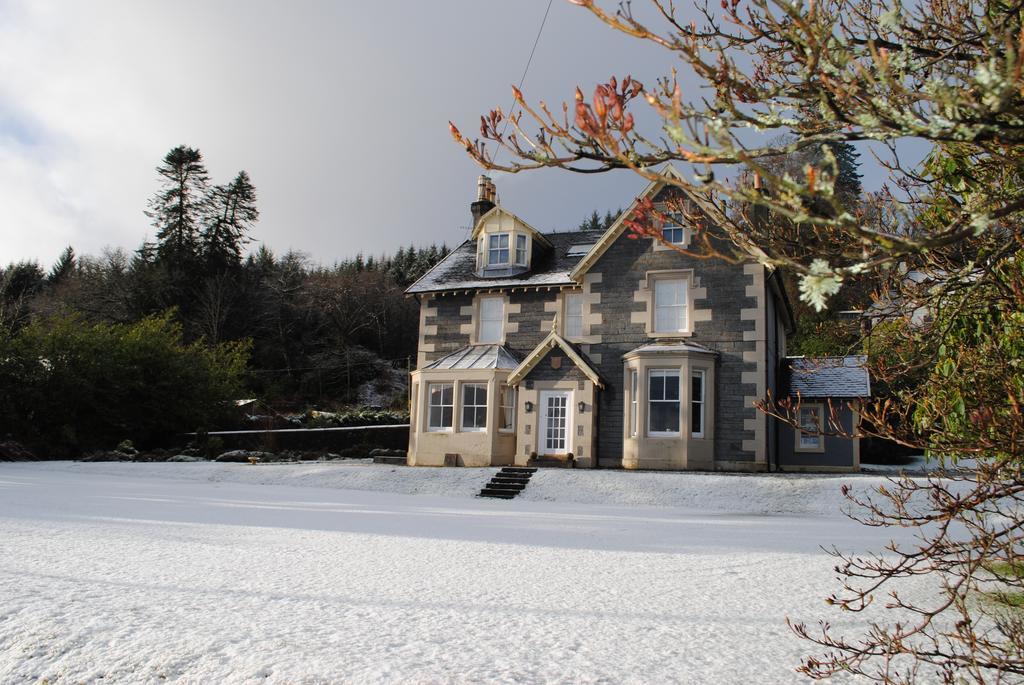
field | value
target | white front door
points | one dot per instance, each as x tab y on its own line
555	436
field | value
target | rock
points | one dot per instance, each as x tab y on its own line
106	455
15	451
243	456
185	458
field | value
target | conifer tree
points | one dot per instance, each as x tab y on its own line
233	212
180	207
63	267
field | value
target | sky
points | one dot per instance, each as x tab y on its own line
338	111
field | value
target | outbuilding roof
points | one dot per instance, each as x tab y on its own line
476	357
828	376
551	266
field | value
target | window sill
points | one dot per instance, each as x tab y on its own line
674	334
662	436
439	430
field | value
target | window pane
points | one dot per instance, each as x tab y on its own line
435	417
697	419
446	416
664	417
672	386
492	319
656	387
697	403
809	418
573	315
673	234
448	394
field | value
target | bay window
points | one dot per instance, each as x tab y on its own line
697	404
634	401
506	408
663	402
474	406
441	406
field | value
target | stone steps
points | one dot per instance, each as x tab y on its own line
508	482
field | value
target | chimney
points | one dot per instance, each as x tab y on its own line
759	213
485	194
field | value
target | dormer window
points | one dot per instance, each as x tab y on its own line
497	249
520	250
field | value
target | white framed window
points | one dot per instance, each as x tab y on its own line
497	249
697	404
573	317
670	305
506	408
440	406
492	319
520	250
634	401
663	402
811	421
672	229
474	406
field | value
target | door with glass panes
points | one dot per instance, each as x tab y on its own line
555	435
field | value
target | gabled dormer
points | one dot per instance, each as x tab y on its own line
505	244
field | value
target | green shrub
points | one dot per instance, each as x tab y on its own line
70	386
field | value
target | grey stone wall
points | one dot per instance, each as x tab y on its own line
622	267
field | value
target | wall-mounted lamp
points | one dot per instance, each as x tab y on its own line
582	406
528	406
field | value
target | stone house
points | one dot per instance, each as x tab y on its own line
594	349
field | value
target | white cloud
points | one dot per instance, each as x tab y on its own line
339	113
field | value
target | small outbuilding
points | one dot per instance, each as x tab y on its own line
826	393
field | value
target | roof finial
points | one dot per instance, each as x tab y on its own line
554	324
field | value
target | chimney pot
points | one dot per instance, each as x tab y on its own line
485	194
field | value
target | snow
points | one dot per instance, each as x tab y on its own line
231	573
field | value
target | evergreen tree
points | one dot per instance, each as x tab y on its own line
233	212
180	208
595	222
63	267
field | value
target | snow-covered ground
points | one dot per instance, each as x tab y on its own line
202	573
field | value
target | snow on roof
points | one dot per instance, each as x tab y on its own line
674	347
829	376
477	357
551	266
579	250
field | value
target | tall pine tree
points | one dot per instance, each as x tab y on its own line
232	213
180	208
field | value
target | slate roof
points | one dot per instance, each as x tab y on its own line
674	347
477	357
828	376
551	266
